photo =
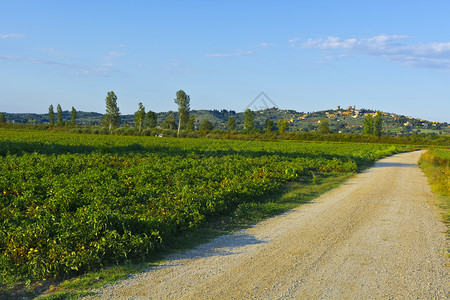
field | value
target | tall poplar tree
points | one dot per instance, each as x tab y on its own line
183	100
74	116
59	114
51	115
2	118
112	116
139	116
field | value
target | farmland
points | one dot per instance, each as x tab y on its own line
71	203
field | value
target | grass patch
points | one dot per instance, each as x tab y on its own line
436	165
80	286
247	214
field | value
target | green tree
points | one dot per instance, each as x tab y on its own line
249	120
268	126
368	125
74	116
59	113
231	123
183	101
169	122
2	118
139	116
378	125
191	124
206	125
112	116
282	125
324	127
151	120
51	115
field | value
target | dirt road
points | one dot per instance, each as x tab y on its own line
376	236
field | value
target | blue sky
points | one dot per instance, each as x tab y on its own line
391	56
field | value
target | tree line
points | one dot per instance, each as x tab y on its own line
59	116
186	121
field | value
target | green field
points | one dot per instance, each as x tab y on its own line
72	203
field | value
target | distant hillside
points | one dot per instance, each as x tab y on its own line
347	120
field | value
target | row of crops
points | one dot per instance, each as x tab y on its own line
70	203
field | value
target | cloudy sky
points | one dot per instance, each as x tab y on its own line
391	56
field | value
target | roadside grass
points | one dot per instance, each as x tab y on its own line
436	165
247	214
81	286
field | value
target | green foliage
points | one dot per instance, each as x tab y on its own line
268	126
183	101
439	163
231	124
2	118
112	116
169	123
74	116
249	120
191	124
368	125
324	127
151	119
59	113
282	125
51	115
436	165
206	125
378	125
139	116
71	203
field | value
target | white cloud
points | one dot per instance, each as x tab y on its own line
218	55
244	52
35	61
77	70
12	36
116	54
113	55
54	52
330	43
236	53
267	45
391	47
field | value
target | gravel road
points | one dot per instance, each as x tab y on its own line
376	236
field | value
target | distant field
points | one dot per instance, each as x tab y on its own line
73	202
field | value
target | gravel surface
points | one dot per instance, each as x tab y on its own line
376	236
